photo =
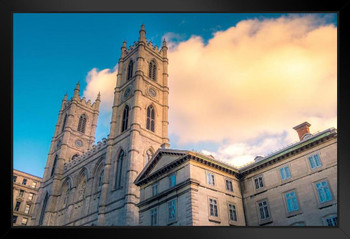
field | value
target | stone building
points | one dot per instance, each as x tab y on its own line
292	187
133	178
25	192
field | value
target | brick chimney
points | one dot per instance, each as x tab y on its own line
302	129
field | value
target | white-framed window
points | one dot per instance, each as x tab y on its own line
258	182
315	161
232	212
291	201
210	178
285	173
213	207
26	210
323	191
24	221
172	180
30	196
154	189
229	186
172	210
264	212
154	216
331	221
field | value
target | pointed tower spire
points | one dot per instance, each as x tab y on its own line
142	32
76	91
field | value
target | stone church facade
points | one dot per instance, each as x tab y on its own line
112	183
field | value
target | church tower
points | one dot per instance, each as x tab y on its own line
139	126
74	134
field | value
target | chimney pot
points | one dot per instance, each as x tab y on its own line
302	129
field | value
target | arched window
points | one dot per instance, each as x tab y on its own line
130	69
150	118
64	123
100	180
65	197
54	165
82	123
118	177
152	70
125	118
42	214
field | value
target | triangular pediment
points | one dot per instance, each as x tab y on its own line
160	159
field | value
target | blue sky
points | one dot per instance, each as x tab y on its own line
52	52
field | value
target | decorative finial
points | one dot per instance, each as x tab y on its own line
142	32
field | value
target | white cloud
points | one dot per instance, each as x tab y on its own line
260	77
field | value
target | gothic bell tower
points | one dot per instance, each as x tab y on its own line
74	134
139	124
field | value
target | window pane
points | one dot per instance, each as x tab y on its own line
312	163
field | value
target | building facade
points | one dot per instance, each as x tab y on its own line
25	192
133	178
295	186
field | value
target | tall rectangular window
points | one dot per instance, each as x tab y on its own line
332	221
263	210
30	196
210	178
315	161
18	204
21	192
324	193
291	201
229	186
34	185
26	210
14	179
285	173
258	181
154	217
213	207
172	210
232	212
154	189
172	180
24	182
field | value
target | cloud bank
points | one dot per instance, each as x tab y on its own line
258	78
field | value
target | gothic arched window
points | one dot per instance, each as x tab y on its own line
54	165
125	118
64	123
42	214
118	177
152	70
130	69
150	118
82	123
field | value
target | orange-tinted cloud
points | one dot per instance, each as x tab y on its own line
258	77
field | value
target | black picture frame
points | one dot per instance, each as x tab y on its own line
342	8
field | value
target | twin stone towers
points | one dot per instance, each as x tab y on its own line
87	184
